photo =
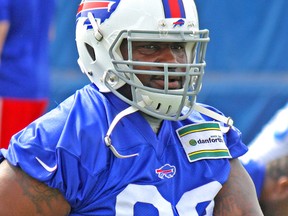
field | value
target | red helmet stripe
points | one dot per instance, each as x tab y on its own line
93	5
175	8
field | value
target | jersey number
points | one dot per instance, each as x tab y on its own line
133	194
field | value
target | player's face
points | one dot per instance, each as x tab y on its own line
157	52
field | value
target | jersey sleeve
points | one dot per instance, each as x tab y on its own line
56	148
235	144
48	150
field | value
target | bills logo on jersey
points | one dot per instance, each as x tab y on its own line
101	10
167	171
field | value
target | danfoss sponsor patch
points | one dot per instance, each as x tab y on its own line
203	141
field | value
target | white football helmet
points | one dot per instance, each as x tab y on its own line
102	26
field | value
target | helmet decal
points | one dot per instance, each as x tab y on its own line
179	22
104	9
173	8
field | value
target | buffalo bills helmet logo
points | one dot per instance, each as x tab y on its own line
167	171
179	22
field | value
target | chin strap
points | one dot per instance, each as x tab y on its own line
216	116
132	109
118	117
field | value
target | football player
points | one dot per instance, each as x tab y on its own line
134	141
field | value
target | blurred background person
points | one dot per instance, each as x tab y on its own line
66	77
267	163
24	66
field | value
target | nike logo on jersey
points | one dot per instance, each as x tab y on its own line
45	166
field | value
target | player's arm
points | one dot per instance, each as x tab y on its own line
22	195
238	195
4	28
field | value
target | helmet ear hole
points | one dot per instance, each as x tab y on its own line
91	51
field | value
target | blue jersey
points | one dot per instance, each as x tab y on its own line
24	70
65	149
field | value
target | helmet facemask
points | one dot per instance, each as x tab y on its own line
164	103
